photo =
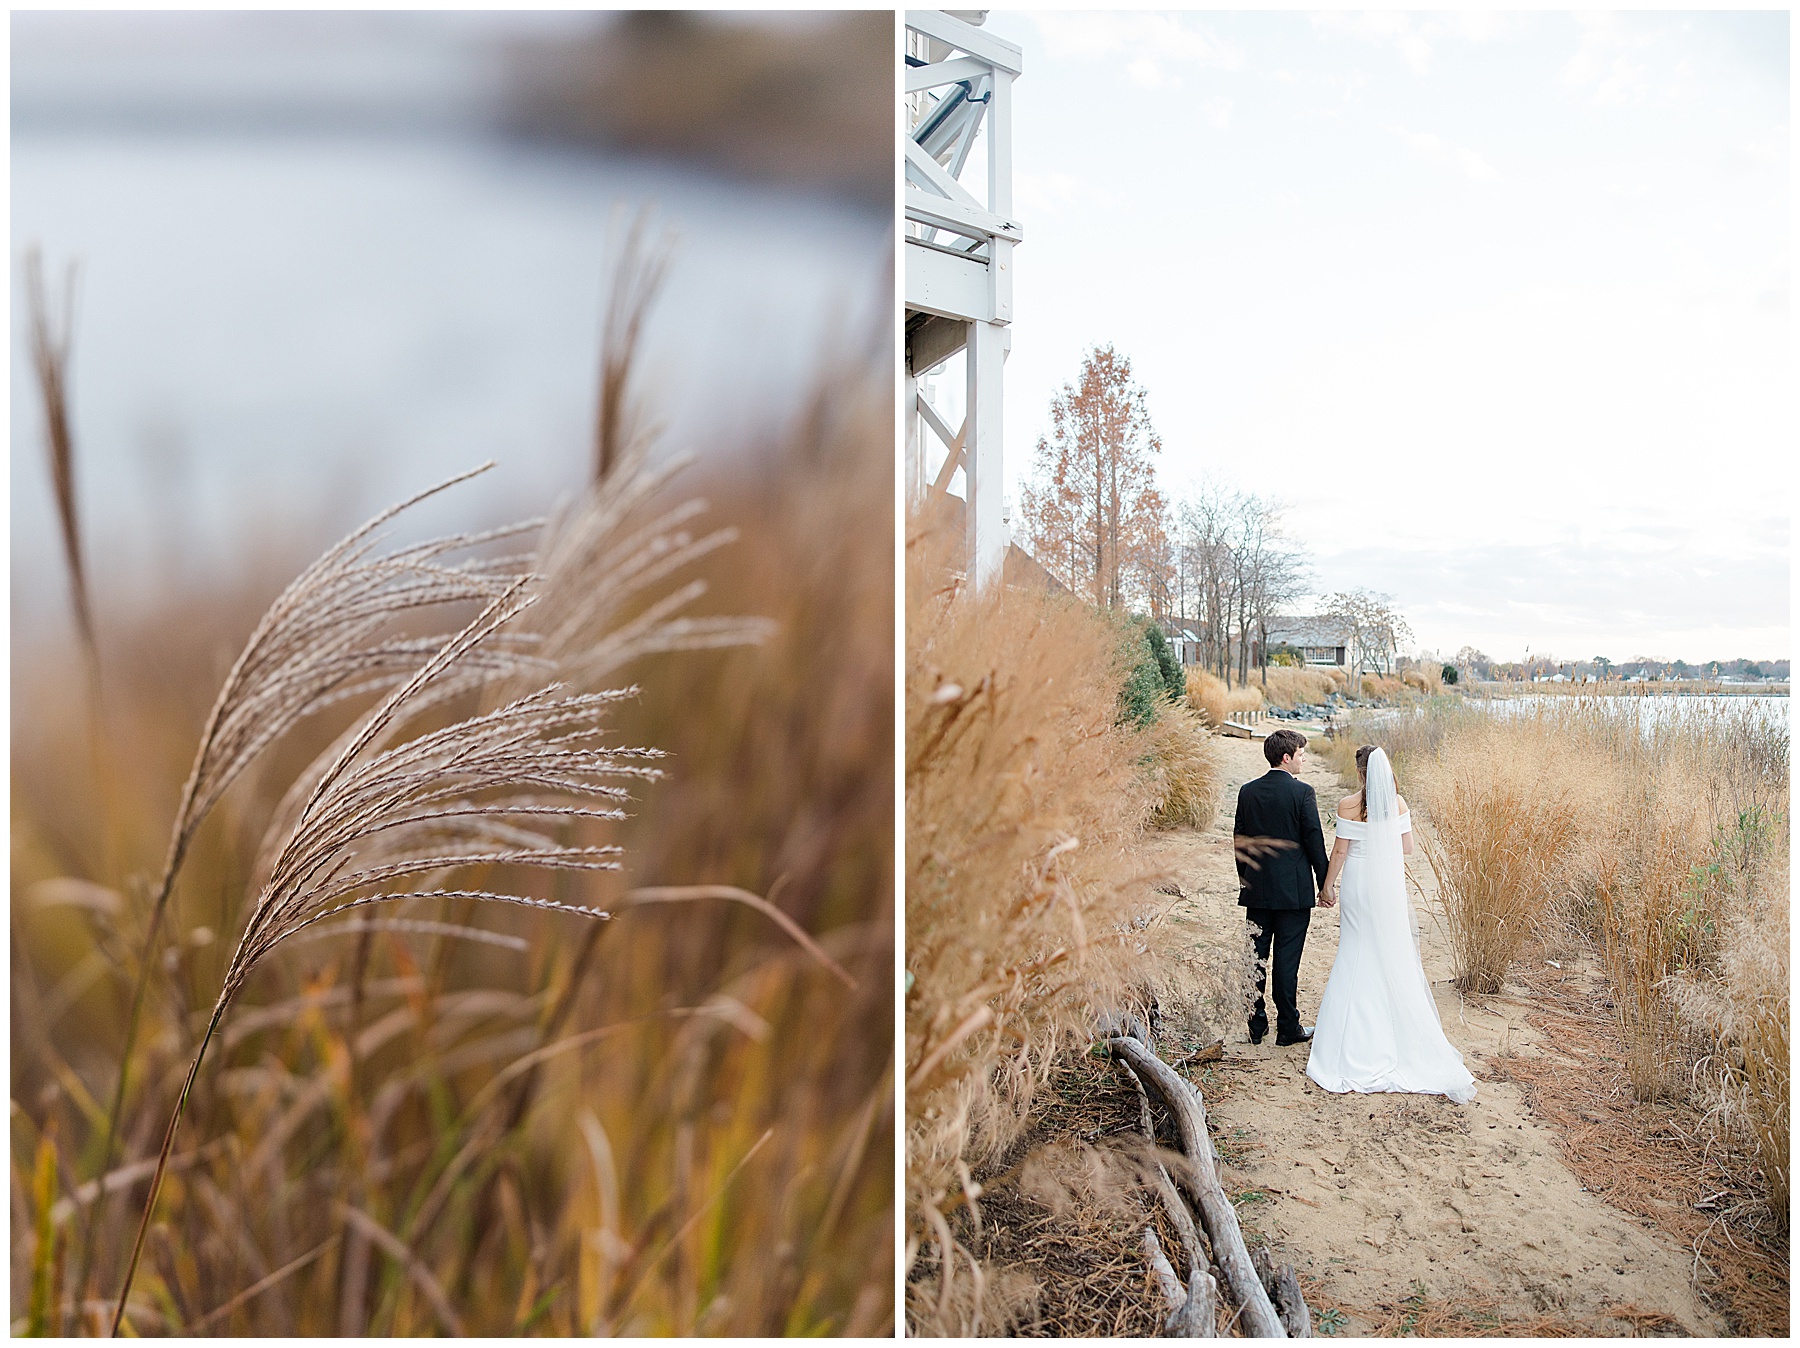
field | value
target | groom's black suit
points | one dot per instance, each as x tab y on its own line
1276	885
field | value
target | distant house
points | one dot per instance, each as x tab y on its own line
1184	641
1318	640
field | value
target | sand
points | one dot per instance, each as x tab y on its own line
1376	1198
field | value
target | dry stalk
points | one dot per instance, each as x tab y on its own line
327	638
50	342
367	818
638	266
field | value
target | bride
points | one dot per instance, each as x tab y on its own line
1378	1027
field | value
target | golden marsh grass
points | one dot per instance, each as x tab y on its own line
446	1114
1656	836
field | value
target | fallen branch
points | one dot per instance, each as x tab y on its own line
1174	1294
1196	1319
1284	1291
1200	1177
1191	1308
1213	1052
1179	1216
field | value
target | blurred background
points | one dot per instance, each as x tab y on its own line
325	261
327	256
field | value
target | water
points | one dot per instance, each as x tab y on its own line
292	328
1655	710
1765	716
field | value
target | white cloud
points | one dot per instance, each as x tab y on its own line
1147	73
1771	147
1608	593
1385	28
1159	45
1436	150
1051	193
1472	25
1621	62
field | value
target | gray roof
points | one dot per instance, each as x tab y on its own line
1307	630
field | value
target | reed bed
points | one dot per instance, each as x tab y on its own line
1661	1161
442	1113
1187	770
1504	826
1378	687
1291	686
1657	840
1426	679
1615	687
1025	798
1208	695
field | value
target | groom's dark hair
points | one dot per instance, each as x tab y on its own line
1282	743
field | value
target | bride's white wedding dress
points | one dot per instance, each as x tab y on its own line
1378	1026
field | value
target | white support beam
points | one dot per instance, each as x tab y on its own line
915	467
919	78
925	172
967	37
952	441
999	155
963	292
985	514
941	283
999	279
952	461
940	213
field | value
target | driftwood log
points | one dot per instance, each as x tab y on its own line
1200	1177
1179	1216
1284	1291
1190	1310
1174	1294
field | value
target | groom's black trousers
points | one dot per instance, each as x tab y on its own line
1284	929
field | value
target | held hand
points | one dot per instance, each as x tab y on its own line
1328	897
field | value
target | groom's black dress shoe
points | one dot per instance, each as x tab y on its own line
1305	1035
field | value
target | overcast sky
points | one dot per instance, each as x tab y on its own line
1498	306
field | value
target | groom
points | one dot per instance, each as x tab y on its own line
1277	839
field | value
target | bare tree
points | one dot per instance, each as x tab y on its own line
1473	664
1157	567
1376	630
1281	580
1204	549
1232	572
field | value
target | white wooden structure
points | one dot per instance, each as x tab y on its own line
958	259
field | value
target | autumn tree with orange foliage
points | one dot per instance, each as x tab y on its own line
1092	513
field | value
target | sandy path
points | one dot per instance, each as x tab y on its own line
1374	1198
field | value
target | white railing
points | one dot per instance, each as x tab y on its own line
958	260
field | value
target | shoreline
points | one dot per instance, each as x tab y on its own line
1375	1197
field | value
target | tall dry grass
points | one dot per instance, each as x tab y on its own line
1024	802
1187	770
1291	686
1412	740
1742	1004
1503	810
1378	687
1426	679
1659	841
470	1117
1208	695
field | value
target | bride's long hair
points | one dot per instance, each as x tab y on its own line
1362	771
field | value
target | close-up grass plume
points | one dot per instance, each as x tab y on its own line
494	936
